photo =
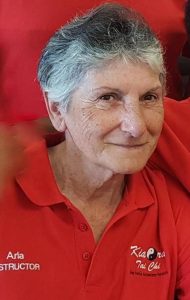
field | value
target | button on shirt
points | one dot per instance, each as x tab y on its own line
48	252
83	227
86	255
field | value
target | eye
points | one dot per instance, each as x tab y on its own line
107	97
150	97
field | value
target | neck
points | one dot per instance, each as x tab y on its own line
84	182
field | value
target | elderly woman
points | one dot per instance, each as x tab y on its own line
87	219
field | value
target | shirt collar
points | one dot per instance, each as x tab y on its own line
139	192
38	182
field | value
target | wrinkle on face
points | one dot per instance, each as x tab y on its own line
100	125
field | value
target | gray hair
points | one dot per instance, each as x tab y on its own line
108	32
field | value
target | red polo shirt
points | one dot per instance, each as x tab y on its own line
47	249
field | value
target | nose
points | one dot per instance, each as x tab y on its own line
133	121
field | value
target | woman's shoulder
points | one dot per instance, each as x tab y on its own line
167	188
179	198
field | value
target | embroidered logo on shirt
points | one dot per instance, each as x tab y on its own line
149	262
15	261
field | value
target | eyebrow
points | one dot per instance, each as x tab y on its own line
106	88
158	87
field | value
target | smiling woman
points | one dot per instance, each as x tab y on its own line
114	118
99	223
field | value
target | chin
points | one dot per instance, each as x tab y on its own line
128	168
128	171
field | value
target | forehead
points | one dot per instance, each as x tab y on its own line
122	76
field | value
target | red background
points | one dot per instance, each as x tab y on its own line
26	26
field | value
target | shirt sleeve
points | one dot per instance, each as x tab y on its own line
173	151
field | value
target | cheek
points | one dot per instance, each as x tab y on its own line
86	126
154	121
96	123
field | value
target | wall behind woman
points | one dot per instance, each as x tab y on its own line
25	27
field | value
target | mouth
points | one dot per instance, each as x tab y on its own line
130	146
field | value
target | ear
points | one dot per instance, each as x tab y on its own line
55	114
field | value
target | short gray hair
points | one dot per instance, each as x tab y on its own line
106	33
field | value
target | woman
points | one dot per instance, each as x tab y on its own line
87	219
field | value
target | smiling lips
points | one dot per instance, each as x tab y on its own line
130	146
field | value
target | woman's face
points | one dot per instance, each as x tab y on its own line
115	116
